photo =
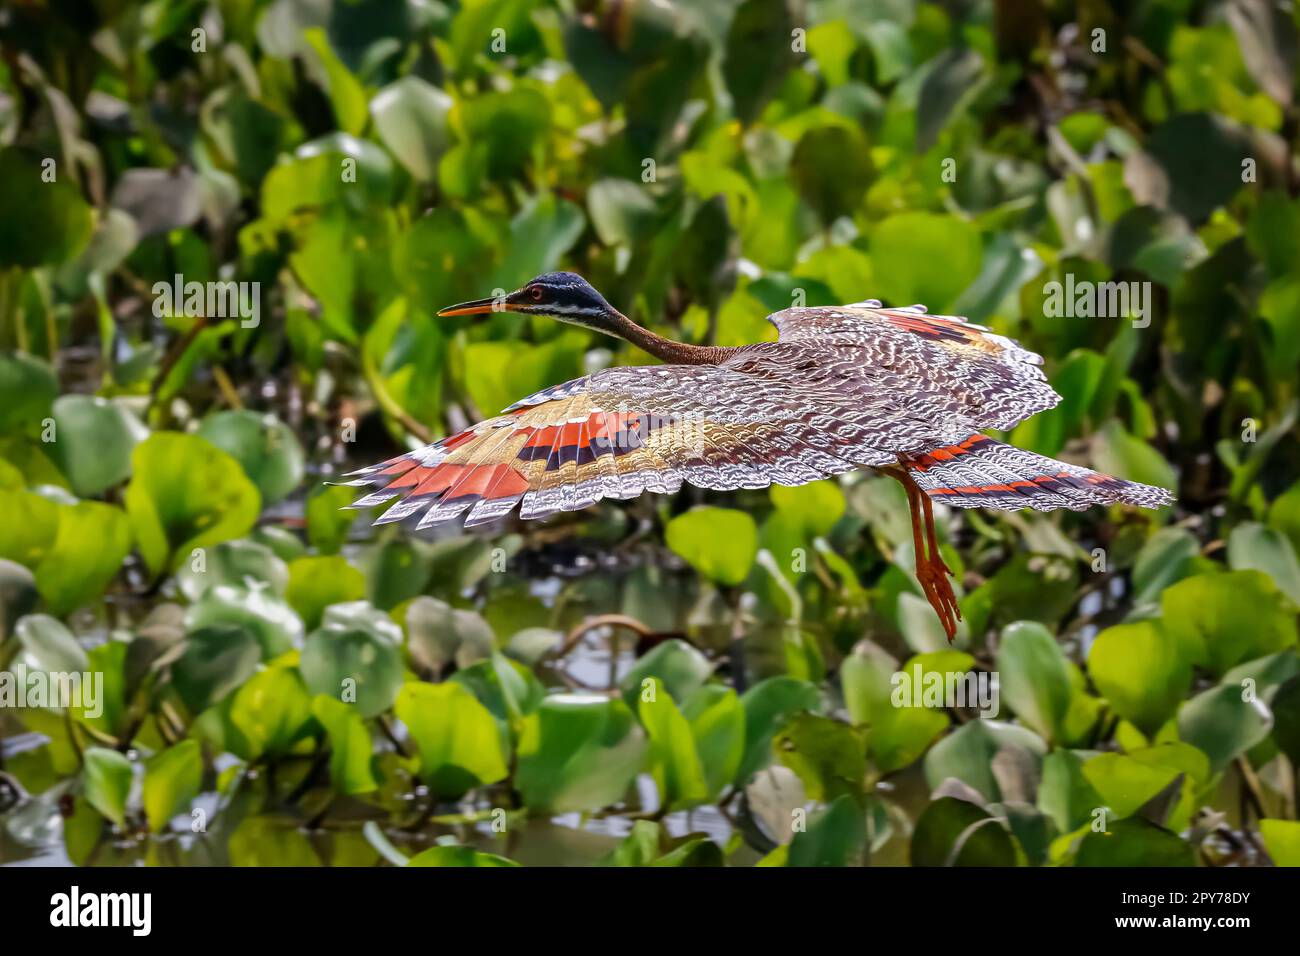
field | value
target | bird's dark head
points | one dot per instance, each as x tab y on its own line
566	296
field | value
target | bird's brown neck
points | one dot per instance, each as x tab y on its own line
675	353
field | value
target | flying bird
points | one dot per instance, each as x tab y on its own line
895	390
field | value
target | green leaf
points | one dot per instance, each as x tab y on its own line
506	371
1065	793
45	223
399	570
216	660
952	832
185	494
159	640
27	537
1124	783
1034	678
1252	546
264	616
271	712
717	722
354	658
699	851
505	126
830	757
719	543
350	745
108	659
458	856
459	742
815	507
1134	842
264	446
347	96
313	180
673	761
473	35
832	45
171	781
951	82
1282	840
896	736
28	388
638	848
831	168
73	550
1224	619
677	665
317	582
82	831
1222	724
439	634
578	752
967	755
1286	719
758	54
905	247
1142	670
1273	232
18	595
26	464
49	645
327	522
1271	670
506	688
89	547
1167	556
282	542
769	706
108	777
834	837
543	230
622	211
93	442
233	563
1201	157
411	120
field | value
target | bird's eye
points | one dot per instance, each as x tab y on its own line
535	293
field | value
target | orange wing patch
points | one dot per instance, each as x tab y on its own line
936	456
939	328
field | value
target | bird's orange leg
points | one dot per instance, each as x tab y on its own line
935	555
931	571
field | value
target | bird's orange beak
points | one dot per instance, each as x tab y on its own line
478	307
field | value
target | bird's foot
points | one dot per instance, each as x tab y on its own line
932	574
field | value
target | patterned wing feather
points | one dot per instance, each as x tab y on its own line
979	472
623	431
943	359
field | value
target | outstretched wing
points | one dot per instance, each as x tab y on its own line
982	473
988	379
623	431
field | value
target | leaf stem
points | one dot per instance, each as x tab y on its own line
390	406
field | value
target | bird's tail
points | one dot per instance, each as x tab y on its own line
982	473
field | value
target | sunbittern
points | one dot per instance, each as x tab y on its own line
845	387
